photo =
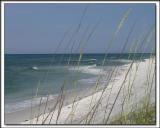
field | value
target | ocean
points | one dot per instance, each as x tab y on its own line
28	75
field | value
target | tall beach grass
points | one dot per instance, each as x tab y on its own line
141	113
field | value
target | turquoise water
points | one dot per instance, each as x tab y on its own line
24	73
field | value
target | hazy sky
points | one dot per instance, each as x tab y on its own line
39	28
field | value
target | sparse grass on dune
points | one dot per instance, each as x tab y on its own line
143	115
93	109
130	84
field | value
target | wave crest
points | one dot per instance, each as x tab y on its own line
91	69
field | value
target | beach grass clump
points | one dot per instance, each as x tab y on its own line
143	115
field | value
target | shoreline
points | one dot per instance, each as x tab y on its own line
82	101
23	115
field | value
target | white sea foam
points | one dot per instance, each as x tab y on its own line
13	107
35	68
121	60
91	69
89	80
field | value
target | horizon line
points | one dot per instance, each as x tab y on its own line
87	53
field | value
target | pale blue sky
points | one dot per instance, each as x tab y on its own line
38	28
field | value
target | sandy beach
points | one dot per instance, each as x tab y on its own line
85	102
